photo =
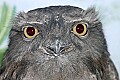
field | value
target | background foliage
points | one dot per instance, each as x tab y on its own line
6	16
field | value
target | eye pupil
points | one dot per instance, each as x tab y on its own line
79	28
30	31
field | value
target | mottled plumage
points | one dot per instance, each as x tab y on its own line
57	51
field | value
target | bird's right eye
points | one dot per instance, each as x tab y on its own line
30	32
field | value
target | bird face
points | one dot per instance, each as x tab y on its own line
57	43
55	33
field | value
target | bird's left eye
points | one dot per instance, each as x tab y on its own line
30	32
80	29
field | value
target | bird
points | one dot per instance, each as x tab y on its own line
58	43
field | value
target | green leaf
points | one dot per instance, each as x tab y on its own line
7	16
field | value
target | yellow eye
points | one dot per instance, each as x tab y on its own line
30	32
80	29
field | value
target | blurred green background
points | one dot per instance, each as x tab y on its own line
6	16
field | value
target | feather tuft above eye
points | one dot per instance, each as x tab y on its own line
91	15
